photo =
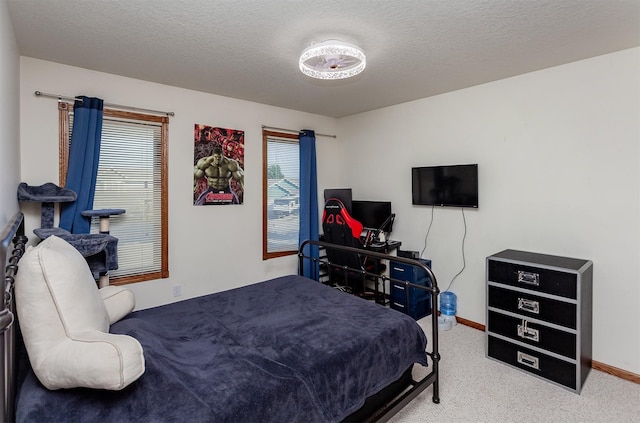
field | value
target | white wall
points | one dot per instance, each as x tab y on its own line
9	120
559	173
211	248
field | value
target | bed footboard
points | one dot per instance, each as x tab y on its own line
12	232
315	266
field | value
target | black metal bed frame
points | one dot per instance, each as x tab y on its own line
12	232
414	388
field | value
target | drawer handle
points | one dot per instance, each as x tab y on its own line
529	278
398	304
525	332
398	287
528	360
398	269
529	305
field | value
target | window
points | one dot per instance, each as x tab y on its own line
280	194
132	175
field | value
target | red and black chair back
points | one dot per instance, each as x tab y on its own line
338	224
342	229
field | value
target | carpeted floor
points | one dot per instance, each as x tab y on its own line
476	389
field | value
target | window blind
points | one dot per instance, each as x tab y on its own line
129	178
283	194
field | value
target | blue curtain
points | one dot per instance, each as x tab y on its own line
84	154
308	200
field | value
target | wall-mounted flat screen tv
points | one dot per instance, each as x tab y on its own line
445	186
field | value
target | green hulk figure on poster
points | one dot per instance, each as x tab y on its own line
218	177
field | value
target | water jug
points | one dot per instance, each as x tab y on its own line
448	302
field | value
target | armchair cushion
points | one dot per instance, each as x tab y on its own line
118	301
65	322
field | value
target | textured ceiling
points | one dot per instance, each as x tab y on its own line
249	49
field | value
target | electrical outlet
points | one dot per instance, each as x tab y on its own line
177	290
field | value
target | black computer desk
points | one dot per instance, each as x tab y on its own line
384	247
378	247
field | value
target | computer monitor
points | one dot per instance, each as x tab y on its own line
342	194
373	214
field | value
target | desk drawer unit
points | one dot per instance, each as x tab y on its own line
412	301
539	315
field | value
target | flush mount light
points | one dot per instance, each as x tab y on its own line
332	60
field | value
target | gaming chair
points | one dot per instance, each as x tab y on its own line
342	229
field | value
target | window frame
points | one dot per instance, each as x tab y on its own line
63	162
295	138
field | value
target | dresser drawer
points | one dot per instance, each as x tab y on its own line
409	273
541	336
398	291
416	309
533	362
562	284
528	305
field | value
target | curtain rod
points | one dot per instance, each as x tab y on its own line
294	131
115	106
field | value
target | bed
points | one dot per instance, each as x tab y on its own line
286	349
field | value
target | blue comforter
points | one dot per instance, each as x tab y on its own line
285	350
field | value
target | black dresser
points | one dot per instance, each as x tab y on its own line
539	311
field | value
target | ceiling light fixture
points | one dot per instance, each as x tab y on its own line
332	59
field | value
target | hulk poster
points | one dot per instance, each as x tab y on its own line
218	163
